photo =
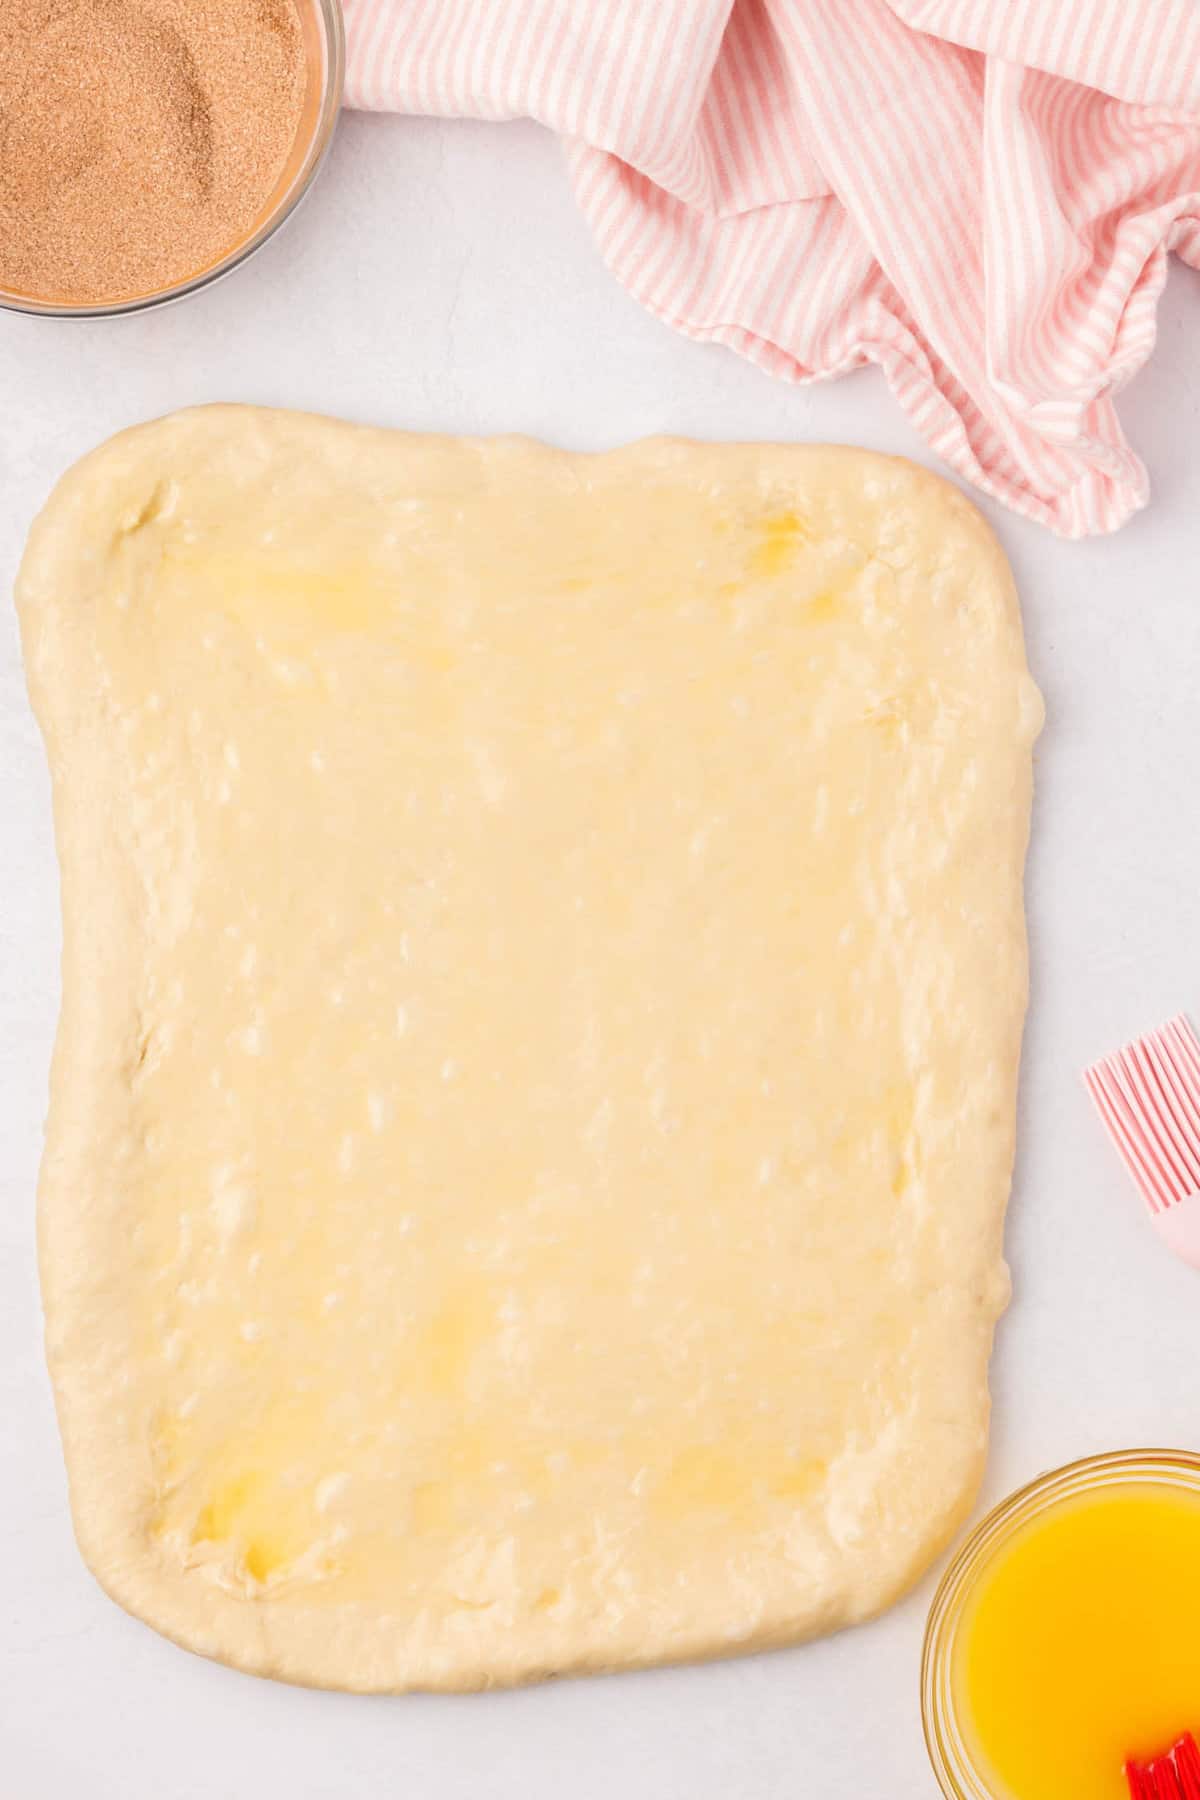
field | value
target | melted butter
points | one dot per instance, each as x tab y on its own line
824	607
285	598
293	606
902	1139
780	535
265	1529
1080	1647
464	1324
218	1516
733	1477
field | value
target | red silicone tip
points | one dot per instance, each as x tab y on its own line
1139	1781
1173	1776
1164	1782
1187	1767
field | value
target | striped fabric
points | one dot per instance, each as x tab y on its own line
977	195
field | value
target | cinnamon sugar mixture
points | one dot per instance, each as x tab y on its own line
140	140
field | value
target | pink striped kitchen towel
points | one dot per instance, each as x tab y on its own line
978	195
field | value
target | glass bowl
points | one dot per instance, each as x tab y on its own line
948	1742
325	56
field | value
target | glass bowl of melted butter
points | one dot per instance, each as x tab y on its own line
1064	1638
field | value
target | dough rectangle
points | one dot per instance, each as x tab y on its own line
533	1105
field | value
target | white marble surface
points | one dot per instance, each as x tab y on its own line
439	278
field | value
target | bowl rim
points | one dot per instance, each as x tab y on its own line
955	1769
330	14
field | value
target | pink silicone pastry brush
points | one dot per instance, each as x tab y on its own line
1148	1095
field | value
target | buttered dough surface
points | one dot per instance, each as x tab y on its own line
533	1106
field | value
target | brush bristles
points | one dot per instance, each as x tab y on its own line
1148	1095
1173	1776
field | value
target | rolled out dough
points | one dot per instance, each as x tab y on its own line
533	1104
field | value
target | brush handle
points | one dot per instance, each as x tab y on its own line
1179	1228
